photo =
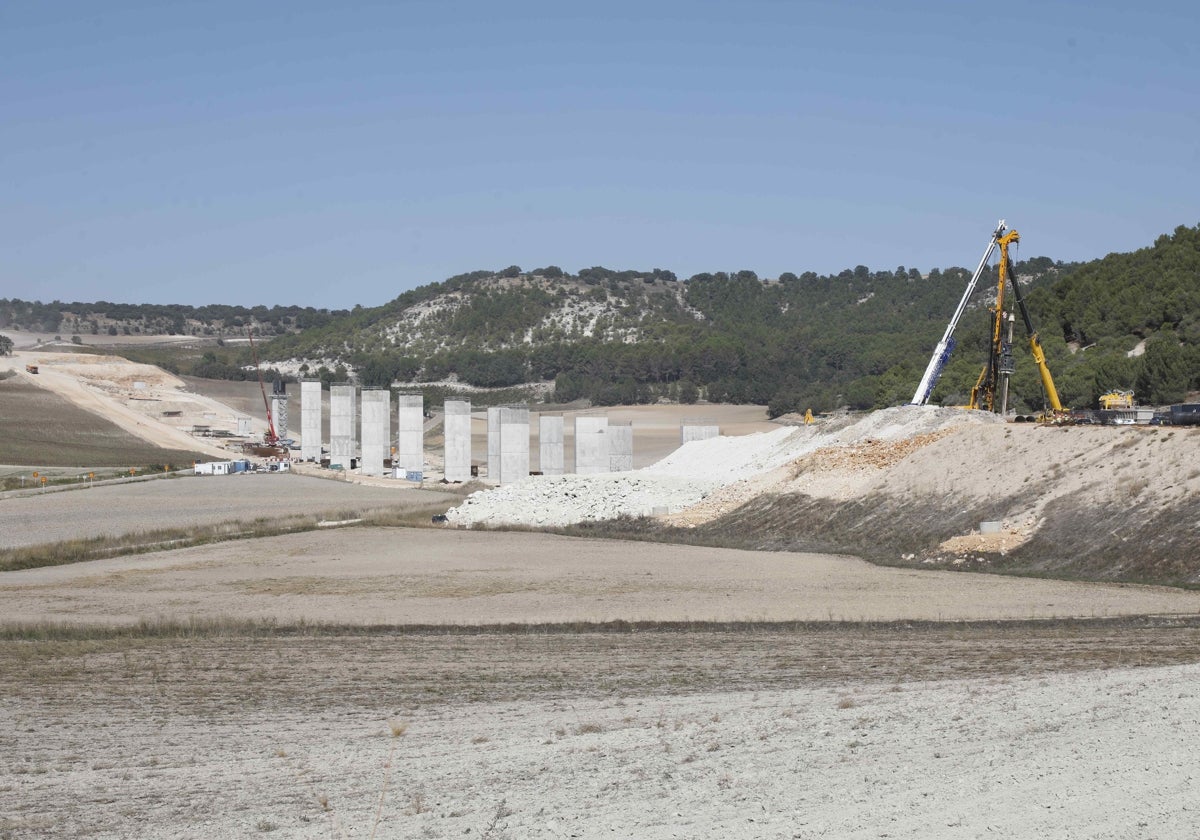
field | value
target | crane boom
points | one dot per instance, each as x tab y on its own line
1035	349
941	353
983	395
271	437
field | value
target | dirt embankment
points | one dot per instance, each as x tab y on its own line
1104	503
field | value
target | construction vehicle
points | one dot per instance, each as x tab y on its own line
1053	408
999	367
1116	399
941	353
271	445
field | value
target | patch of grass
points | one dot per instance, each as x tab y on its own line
95	548
41	428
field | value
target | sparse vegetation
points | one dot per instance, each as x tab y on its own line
39	427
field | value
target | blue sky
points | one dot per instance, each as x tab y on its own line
332	154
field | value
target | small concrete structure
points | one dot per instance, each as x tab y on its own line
514	443
620	447
310	420
697	428
376	429
591	445
458	440
244	429
342	422
550	444
410	433
493	444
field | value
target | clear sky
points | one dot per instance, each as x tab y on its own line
329	154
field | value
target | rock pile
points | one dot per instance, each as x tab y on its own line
699	468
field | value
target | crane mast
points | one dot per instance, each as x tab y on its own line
941	353
983	395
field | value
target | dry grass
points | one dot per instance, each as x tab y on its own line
96	548
41	428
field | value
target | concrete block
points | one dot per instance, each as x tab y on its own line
493	444
376	429
410	433
310	420
458	440
591	445
550	444
343	421
620	447
514	443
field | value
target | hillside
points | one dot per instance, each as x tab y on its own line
857	339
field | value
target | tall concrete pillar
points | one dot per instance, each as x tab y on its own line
620	447
514	443
310	420
550	444
410	433
376	429
458	440
697	429
342	423
591	445
279	414
493	444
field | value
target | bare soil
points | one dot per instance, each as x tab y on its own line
38	428
940	732
396	576
117	510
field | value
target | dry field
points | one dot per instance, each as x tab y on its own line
403	576
40	428
280	710
929	732
117	510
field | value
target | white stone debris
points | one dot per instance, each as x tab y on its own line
690	473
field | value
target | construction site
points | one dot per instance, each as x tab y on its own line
404	619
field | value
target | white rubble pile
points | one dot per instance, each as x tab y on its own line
567	499
690	473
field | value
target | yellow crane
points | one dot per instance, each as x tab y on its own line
983	395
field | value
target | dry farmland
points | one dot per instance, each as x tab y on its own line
40	428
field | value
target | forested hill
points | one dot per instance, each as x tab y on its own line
859	338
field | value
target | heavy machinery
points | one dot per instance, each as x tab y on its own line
271	445
1053	407
1116	399
941	353
994	375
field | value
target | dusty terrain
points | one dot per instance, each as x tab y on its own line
191	500
260	686
420	576
961	732
133	396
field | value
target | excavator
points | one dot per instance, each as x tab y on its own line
1000	362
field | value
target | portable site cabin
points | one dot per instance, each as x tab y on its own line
214	468
222	467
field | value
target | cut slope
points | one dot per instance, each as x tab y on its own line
39	428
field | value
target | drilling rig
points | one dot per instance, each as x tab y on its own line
994	376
